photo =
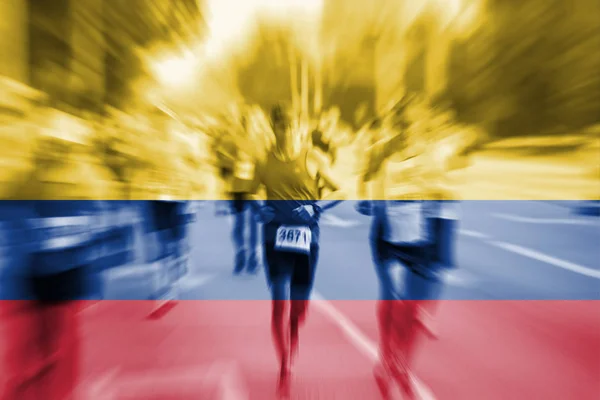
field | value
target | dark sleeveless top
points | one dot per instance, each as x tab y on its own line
288	186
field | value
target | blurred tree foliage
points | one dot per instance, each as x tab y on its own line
349	32
49	48
119	27
529	67
129	25
141	22
520	68
263	71
352	85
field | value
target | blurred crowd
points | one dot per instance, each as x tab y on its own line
159	155
113	155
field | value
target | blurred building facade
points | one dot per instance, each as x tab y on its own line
513	68
14	37
84	52
134	25
349	33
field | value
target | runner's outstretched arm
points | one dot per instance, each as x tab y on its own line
337	195
364	188
256	186
371	170
264	213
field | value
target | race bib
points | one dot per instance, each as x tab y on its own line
404	222
296	239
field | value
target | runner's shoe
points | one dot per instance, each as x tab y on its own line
284	384
403	377
384	381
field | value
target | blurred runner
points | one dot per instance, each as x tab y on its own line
291	232
444	154
164	210
41	332
246	251
115	245
225	148
401	240
236	171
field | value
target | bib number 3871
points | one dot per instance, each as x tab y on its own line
294	239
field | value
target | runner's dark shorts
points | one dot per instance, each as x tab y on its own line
299	269
440	253
422	275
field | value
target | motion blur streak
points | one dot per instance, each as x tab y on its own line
150	121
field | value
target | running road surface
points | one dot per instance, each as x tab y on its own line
521	319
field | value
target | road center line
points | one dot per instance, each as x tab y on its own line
194	281
535	255
232	384
359	340
557	262
102	388
546	221
473	234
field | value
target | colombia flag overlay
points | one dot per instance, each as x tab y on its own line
237	200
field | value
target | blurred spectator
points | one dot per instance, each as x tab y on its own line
42	332
19	106
243	176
